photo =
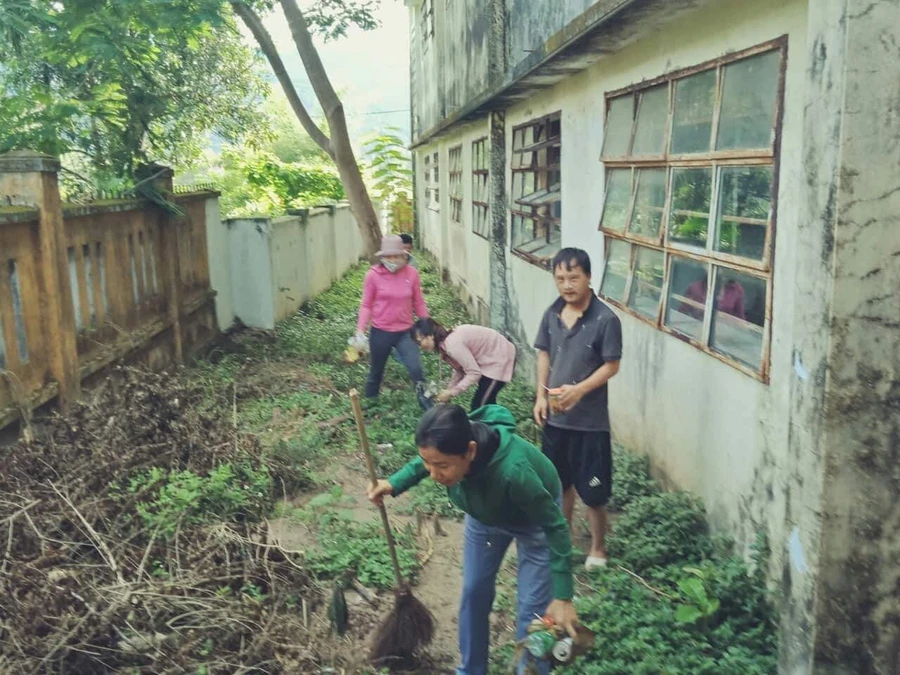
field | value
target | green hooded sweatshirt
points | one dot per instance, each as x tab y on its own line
518	487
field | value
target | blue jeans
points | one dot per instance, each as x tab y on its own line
381	343
484	548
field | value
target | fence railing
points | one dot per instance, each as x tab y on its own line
85	285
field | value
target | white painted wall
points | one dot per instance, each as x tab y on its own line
218	255
251	271
278	265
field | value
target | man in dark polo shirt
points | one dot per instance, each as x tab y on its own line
579	345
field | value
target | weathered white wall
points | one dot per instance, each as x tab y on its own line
251	271
464	255
218	254
277	265
708	427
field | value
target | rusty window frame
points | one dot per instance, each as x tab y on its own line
454	160
481	188
716	161
536	152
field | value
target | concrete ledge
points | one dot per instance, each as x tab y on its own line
10	215
28	161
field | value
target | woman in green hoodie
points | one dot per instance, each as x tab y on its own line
508	490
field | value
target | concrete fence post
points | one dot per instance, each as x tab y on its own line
31	179
170	259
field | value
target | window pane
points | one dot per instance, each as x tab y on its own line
618	262
651	125
694	100
618	199
689	213
739	315
686	303
618	126
745	201
646	287
748	103
649	202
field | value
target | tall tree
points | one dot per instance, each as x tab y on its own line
119	82
332	18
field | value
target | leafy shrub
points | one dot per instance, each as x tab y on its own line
631	479
230	492
660	530
349	547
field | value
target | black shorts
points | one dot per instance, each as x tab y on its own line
582	459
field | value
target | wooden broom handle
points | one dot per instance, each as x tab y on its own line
370	462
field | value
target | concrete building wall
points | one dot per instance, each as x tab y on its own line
811	456
530	23
464	71
707	426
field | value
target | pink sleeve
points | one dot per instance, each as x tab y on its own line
419	299
461	354
368	301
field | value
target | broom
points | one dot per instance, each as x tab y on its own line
409	625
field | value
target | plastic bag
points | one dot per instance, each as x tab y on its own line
359	342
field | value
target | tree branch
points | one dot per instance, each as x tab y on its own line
255	24
326	94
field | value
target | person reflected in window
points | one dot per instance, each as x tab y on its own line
730	299
695	299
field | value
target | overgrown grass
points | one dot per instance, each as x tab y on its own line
694	607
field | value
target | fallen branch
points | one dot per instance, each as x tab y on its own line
644	583
101	545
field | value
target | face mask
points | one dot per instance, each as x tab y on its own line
392	267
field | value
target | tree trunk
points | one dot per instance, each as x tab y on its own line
342	150
253	22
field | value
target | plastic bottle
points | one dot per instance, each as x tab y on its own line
540	644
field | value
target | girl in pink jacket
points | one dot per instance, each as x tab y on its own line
392	292
478	355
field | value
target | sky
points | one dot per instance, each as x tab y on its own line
370	70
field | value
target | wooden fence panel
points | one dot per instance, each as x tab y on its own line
192	250
23	355
136	277
114	274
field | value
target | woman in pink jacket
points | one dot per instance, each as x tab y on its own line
478	355
392	292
